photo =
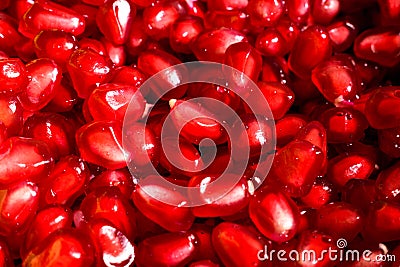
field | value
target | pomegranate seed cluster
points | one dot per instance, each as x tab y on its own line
321	172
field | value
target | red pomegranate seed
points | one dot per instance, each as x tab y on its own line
390	12
18	207
345	167
110	101
211	45
62	248
389	141
170	249
387	183
92	44
324	11
265	13
379	45
13	75
66	181
137	39
342	33
337	79
112	246
340	220
114	20
116	53
88	69
316	42
296	166
343	125
11	114
54	129
56	45
382	222
10	35
100	143
288	127
360	193
46	15
159	18
279	97
64	99
298	10
173	218
110	204
205	249
121	179
129	76
45	77
236	245
24	159
381	108
369	72
232	202
142	146
183	32
274	214
270	42
322	192
46	222
231	19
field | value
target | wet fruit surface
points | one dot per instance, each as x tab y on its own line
199	133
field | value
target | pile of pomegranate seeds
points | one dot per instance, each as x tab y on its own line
322	173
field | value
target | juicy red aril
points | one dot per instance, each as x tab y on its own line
296	166
129	76
110	101
56	45
183	32
389	141
323	11
337	79
46	15
274	214
298	10
265	13
270	42
360	193
11	114
315	41
342	33
114	20
279	97
236	245
231	19
100	142
379	45
45	77
288	127
110	204
171	249
388	184
211	45
54	129
88	69
13	75
47	221
121	179
322	192
174	218
65	182
116	53
24	159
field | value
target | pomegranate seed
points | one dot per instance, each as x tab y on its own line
24	159
343	125
322	192
231	19
265	13
129	76
324	11
389	141
114	20
288	127
274	214
379	45
342	33
211	45
298	10
390	12
137	39
46	15
236	245
100	143
112	246
11	114
88	69
45	77
13	75
110	204
205	249
46	222
315	41
183	32
296	166
173	218
10	35
64	99
110	102
344	167
360	193
235	200
54	129
116	53
387	184
66	248
380	108
337	79
170	249
121	179
279	97
92	44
